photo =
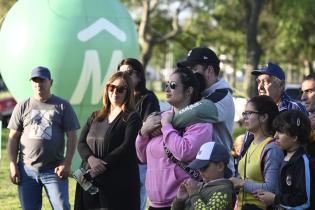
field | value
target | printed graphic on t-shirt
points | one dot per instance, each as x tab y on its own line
41	124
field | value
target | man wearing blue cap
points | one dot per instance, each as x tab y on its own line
36	144
271	82
216	191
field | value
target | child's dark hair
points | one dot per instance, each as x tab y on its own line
189	79
293	123
266	105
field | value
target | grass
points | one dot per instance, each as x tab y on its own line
9	195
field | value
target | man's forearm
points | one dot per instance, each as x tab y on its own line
71	146
13	145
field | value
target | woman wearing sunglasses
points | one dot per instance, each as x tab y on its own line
146	103
164	176
260	165
107	148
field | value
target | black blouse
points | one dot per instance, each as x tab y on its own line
115	144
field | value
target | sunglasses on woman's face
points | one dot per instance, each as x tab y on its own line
119	89
172	85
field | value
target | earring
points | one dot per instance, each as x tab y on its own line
298	122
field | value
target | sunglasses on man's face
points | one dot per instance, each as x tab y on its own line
172	85
119	89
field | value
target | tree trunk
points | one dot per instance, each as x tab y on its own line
308	67
234	66
148	36
253	50
146	53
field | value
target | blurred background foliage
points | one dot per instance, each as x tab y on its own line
249	33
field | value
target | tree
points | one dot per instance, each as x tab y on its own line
157	24
253	50
296	38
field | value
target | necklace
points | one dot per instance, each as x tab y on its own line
250	153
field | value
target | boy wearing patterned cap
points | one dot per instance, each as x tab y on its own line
215	192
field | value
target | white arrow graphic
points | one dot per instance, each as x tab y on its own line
97	27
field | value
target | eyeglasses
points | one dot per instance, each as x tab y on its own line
119	89
247	114
172	85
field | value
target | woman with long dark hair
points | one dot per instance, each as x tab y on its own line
146	103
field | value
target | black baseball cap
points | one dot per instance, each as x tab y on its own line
200	55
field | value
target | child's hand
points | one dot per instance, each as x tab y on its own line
191	186
182	191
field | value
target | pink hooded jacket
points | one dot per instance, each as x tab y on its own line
163	176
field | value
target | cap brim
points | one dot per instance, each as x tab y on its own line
39	76
257	72
197	164
186	63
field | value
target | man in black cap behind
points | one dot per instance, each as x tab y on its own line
36	144
217	107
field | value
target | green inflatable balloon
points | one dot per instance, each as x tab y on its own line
80	41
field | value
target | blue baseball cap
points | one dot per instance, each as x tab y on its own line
272	70
41	72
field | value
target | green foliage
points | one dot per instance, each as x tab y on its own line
285	30
238	131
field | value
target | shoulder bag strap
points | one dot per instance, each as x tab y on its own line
193	173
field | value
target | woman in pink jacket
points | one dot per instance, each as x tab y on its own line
163	175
